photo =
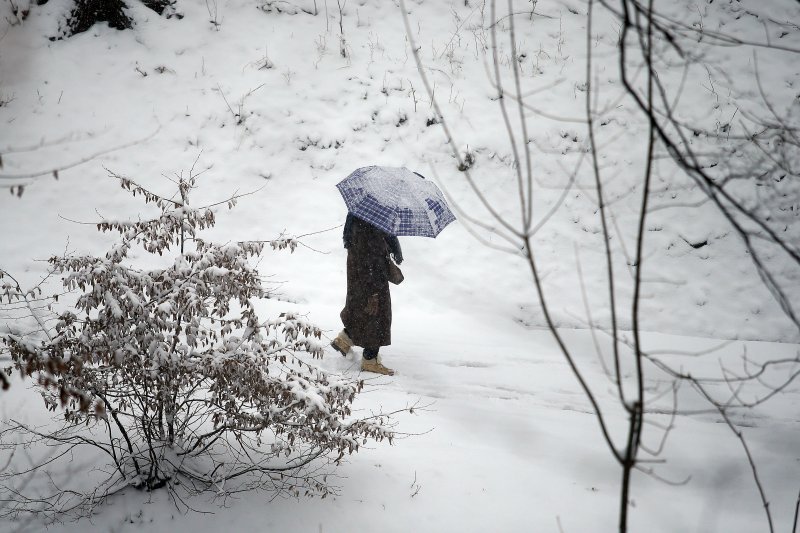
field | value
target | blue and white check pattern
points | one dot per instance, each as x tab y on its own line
396	200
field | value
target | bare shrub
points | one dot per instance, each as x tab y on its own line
171	375
743	169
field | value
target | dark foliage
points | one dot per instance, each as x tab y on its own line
87	13
162	7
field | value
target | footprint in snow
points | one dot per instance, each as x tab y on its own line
469	364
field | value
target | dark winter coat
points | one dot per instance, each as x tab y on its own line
367	313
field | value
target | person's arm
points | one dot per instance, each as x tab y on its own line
347	234
394	248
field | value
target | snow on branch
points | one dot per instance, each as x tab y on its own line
172	374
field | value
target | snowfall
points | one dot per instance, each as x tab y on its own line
258	96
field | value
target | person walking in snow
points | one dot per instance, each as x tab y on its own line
382	204
367	313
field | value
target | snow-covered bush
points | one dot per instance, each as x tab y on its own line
169	371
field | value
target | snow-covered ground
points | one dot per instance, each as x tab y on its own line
507	440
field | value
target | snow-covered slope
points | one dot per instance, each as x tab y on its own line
264	100
184	88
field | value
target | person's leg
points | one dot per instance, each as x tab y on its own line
371	363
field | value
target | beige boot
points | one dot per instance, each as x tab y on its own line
376	366
342	343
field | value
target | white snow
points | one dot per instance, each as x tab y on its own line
503	438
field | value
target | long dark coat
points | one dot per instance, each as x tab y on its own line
367	313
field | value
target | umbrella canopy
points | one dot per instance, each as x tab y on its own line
396	200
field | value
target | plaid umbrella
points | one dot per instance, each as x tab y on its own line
396	200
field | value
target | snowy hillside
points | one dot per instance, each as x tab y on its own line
258	93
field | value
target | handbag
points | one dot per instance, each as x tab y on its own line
395	274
